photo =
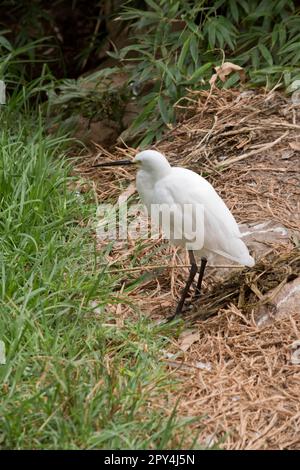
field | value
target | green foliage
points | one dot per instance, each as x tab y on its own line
175	44
22	91
12	59
72	379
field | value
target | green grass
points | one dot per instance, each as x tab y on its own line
72	378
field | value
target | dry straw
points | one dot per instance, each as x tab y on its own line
244	143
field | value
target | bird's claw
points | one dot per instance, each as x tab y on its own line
179	313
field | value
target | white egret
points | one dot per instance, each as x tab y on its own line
161	185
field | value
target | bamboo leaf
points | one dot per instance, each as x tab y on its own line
290	47
245	5
212	36
266	54
194	49
153	5
184	52
234	10
199	73
282	35
163	110
5	43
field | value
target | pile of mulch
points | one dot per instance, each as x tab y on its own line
246	395
241	383
248	145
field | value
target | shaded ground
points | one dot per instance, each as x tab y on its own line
237	378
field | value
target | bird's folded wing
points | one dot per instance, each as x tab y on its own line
221	234
188	188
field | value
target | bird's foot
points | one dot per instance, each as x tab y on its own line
180	312
197	295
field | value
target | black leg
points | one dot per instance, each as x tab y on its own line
193	272
201	273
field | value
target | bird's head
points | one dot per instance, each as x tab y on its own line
150	161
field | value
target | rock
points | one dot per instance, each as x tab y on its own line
104	132
131	112
260	237
296	98
295	355
285	302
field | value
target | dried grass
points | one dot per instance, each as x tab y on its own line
250	397
244	144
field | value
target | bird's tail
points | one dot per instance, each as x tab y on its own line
238	253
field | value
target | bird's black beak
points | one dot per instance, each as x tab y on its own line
115	163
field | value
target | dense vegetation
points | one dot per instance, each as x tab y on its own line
176	44
170	45
72	378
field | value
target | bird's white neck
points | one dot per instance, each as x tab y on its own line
146	181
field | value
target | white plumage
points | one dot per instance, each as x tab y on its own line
196	217
158	183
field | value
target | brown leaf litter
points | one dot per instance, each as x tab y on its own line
239	377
